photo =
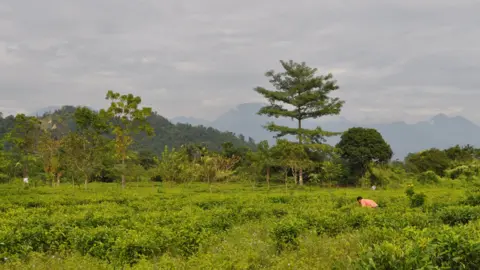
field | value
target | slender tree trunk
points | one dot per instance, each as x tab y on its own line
59	175
25	172
86	182
123	174
268	177
300	172
295	179
209	184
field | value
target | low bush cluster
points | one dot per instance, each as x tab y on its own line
106	228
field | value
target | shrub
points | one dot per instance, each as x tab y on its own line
409	191
472	199
467	172
428	177
454	215
417	200
437	248
285	234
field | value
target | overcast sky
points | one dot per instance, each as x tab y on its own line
393	59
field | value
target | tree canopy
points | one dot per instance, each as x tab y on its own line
359	146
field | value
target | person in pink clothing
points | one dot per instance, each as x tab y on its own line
367	203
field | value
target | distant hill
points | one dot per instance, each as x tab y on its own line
440	131
166	133
42	111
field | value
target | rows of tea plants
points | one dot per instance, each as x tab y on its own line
237	228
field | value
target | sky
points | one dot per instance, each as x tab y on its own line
393	59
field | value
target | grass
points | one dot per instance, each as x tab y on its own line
234	227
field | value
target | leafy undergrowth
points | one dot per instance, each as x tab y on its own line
235	227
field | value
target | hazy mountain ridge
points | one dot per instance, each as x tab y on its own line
440	131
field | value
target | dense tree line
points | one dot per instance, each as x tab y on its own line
128	142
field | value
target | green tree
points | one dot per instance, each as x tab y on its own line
306	94
49	151
361	146
291	156
147	159
263	159
330	171
6	163
174	166
85	148
24	137
461	155
216	167
127	118
432	159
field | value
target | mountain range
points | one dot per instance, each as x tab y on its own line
440	131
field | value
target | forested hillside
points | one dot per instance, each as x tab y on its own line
166	133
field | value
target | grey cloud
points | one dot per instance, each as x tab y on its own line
402	58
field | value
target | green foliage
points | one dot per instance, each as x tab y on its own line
409	191
308	94
454	215
468	171
285	234
416	199
331	171
429	160
433	248
382	176
235	228
291	156
428	177
299	87
461	155
263	159
24	137
174	166
361	146
128	119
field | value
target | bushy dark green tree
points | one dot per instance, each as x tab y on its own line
360	146
299	95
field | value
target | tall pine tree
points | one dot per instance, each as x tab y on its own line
300	94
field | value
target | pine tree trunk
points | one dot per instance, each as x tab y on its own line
300	172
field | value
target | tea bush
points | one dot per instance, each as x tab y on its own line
428	177
236	227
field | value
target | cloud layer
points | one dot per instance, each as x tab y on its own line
393	60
